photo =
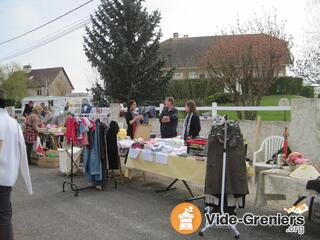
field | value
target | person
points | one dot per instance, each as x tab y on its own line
48	117
28	109
30	130
132	118
12	157
191	126
168	119
43	113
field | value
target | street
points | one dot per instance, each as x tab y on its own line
133	211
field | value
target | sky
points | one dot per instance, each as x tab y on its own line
190	17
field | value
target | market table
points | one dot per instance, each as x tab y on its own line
276	184
179	168
54	137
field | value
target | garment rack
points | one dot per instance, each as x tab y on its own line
74	187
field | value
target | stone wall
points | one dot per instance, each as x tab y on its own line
304	127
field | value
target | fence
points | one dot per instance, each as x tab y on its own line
215	108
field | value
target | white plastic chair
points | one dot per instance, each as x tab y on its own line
269	147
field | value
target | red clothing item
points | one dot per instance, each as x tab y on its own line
71	132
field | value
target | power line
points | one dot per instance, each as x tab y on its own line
45	24
50	38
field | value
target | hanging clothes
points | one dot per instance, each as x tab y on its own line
112	146
92	157
236	172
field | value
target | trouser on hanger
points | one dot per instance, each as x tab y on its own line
29	151
6	232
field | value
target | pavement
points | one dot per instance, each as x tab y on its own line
133	211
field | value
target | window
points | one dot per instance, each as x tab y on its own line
39	92
177	76
193	75
202	76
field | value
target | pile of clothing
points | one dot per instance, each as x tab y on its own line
170	146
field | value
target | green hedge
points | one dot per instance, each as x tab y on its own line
192	88
287	86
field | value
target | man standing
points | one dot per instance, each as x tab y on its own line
13	155
169	119
28	109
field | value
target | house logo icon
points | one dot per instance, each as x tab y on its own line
186	218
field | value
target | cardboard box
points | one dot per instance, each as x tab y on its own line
47	162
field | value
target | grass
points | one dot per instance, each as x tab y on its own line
272	100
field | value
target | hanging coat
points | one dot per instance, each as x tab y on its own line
236	171
112	146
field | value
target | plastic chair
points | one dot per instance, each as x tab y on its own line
269	147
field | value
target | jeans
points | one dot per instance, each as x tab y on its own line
6	232
29	151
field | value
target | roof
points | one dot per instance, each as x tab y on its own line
188	52
39	77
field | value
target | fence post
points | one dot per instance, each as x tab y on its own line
214	110
161	108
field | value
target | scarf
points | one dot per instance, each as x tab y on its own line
186	126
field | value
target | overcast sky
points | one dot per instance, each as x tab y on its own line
191	17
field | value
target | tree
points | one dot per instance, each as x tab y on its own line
123	45
247	59
99	98
16	86
307	66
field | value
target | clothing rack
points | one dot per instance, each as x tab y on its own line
209	209
74	187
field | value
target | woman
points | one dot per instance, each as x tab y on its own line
132	118
30	130
191	126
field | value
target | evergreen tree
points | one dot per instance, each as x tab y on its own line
123	45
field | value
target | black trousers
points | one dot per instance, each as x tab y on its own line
6	232
29	151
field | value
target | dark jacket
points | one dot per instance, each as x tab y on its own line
130	128
236	171
27	110
169	129
195	127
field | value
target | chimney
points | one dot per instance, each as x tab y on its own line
185	36
27	68
175	35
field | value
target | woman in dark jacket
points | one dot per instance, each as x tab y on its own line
132	118
191	126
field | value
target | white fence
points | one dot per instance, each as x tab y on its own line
215	108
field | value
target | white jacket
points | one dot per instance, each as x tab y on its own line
13	154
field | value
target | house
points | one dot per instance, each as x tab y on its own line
48	81
186	53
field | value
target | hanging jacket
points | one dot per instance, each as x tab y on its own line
112	146
236	172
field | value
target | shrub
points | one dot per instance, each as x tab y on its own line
307	91
287	86
192	88
221	98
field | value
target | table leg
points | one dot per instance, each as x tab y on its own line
169	187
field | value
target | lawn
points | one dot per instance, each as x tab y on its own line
272	100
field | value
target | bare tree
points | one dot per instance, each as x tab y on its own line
248	58
308	65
